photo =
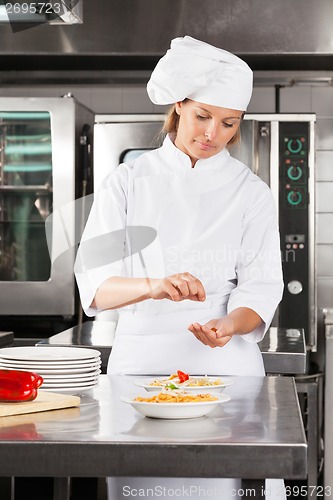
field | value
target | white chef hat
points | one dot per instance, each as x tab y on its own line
196	70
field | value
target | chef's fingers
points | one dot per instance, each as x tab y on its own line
226	328
214	338
195	298
214	333
189	287
201	335
222	327
215	341
197	333
172	292
212	324
182	287
207	338
191	282
195	286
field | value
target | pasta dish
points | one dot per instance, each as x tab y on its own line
177	397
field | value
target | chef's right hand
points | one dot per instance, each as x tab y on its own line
178	287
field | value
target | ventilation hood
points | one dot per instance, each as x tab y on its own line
132	34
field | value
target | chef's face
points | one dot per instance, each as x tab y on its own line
204	130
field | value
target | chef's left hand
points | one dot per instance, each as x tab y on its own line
218	332
223	330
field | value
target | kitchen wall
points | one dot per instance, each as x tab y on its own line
313	93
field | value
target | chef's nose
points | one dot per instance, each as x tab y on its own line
211	131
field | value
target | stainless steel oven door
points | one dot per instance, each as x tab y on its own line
117	135
37	178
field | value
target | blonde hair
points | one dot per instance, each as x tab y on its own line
172	120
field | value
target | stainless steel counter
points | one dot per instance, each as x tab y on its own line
283	350
258	433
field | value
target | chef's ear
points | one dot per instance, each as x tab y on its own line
178	107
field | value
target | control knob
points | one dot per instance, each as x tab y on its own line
295	287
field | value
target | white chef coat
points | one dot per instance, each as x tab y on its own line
216	221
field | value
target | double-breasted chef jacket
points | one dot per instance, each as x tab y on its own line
216	221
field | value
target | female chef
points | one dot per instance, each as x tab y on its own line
203	292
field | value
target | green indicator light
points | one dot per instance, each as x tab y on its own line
294	173
294	198
294	145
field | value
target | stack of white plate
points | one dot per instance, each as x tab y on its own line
64	369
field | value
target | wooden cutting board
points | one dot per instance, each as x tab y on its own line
64	414
45	401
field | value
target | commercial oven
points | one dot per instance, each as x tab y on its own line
42	167
279	148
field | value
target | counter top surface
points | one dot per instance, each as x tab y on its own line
283	349
258	433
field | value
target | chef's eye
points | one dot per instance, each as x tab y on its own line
201	117
228	125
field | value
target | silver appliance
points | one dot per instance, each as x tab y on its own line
41	165
277	147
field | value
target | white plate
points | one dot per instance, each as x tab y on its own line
70	384
47	354
71	390
50	363
63	381
50	370
210	388
73	378
176	410
56	387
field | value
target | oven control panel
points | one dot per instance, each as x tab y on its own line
294	222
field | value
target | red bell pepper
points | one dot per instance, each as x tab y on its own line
17	385
182	376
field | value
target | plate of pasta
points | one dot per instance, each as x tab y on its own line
176	404
181	380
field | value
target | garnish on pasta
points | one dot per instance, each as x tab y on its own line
179	382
